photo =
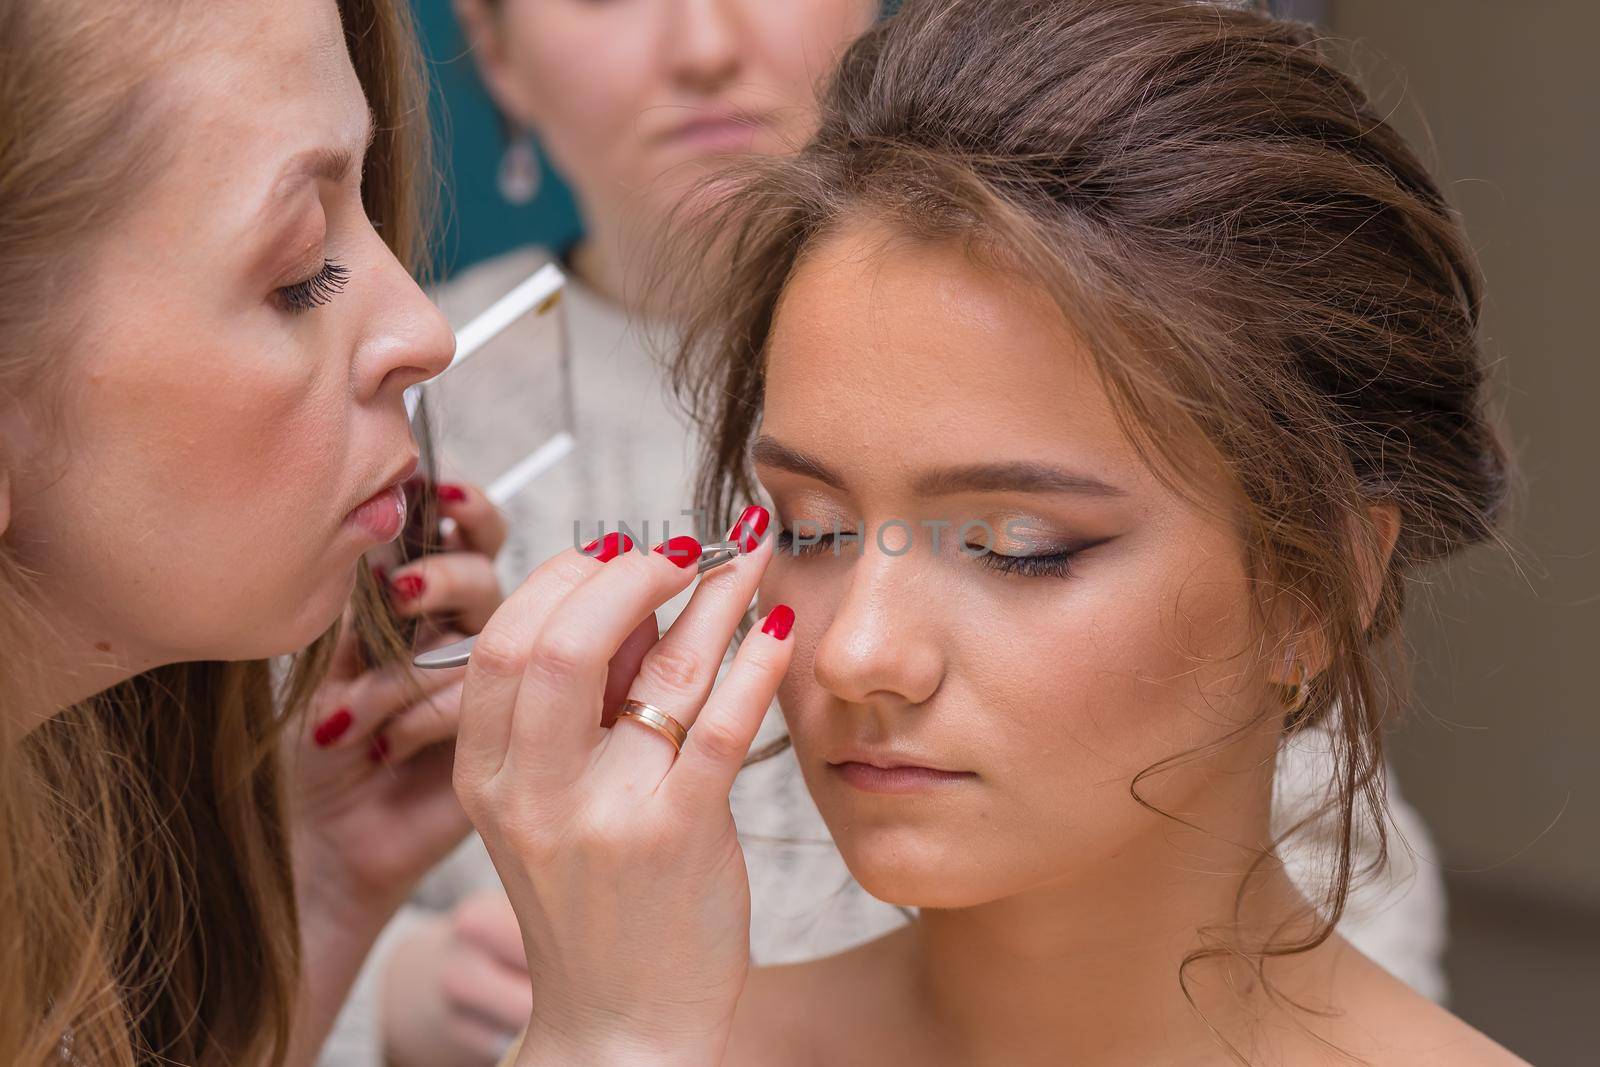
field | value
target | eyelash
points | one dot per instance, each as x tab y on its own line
1045	565
316	290
1048	565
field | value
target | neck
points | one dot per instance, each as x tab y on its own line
618	250
61	665
1087	970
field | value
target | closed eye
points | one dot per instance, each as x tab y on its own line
1047	565
314	291
810	544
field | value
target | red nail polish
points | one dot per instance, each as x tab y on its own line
451	494
608	547
779	622
683	551
751	525
407	587
381	576
378	749
332	728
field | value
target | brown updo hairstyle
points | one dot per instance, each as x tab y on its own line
1259	263
147	905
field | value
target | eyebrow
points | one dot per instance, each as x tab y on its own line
329	164
1021	476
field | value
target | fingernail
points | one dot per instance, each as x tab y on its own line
381	576
332	728
407	587
751	525
779	622
608	547
451	494
682	550
378	749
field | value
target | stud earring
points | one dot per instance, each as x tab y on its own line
1295	696
1297	692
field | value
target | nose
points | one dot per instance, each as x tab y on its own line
882	643
703	44
408	339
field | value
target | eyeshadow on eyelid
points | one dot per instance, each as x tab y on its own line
1029	535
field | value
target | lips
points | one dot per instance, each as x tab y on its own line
381	515
718	130
871	778
888	761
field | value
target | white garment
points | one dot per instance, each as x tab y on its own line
635	462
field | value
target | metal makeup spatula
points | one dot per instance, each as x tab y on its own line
456	654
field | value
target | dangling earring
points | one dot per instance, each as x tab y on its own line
518	176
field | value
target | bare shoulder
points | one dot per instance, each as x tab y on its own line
798	1014
1416	1032
1386	1023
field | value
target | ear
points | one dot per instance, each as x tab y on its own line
1375	544
486	36
1379	550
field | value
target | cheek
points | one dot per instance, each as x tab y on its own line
238	438
587	86
786	74
812	587
200	493
812	600
1123	668
792	42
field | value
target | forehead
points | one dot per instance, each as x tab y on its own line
885	347
253	83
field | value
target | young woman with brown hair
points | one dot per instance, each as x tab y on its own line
1113	370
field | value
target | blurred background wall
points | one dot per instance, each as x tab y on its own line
1502	751
478	222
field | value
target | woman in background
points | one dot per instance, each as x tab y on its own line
632	104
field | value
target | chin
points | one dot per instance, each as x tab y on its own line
921	888
911	871
305	621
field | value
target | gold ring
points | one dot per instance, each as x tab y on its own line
657	720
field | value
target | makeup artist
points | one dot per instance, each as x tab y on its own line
212	794
206	218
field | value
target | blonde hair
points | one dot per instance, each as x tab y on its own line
145	878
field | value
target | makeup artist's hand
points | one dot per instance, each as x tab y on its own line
621	862
370	769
